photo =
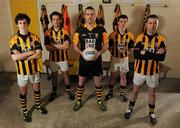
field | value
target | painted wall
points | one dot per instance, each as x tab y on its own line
6	63
169	25
29	7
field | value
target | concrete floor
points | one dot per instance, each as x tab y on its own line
89	116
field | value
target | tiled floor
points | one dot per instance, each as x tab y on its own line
61	114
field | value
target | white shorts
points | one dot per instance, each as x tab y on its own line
118	64
63	65
151	81
23	79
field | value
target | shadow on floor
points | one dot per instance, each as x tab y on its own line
169	85
6	81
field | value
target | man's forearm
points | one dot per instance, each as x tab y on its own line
105	48
76	48
21	56
50	48
62	47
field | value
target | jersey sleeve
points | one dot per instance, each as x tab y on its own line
47	39
111	41
104	36
66	36
13	45
76	37
131	41
37	43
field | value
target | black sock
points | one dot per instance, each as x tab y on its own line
111	87
99	91
122	88
37	97
68	88
54	89
79	92
23	102
151	108
131	105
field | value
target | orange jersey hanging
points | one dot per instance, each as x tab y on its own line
66	18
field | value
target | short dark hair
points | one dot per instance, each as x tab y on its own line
152	16
22	16
55	13
89	8
122	16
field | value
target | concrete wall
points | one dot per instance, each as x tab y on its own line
6	63
169	25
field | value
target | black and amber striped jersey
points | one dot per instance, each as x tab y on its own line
95	38
119	45
25	43
55	37
146	59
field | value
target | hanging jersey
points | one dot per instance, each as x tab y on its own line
100	21
25	44
94	38
148	64
67	24
119	44
53	37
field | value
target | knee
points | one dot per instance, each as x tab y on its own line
123	77
23	92
123	81
97	84
135	91
152	94
54	75
81	83
36	87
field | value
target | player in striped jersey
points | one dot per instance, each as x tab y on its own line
120	42
57	41
149	49
25	51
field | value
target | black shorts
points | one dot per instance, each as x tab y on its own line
91	68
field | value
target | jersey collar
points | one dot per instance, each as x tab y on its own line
85	26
